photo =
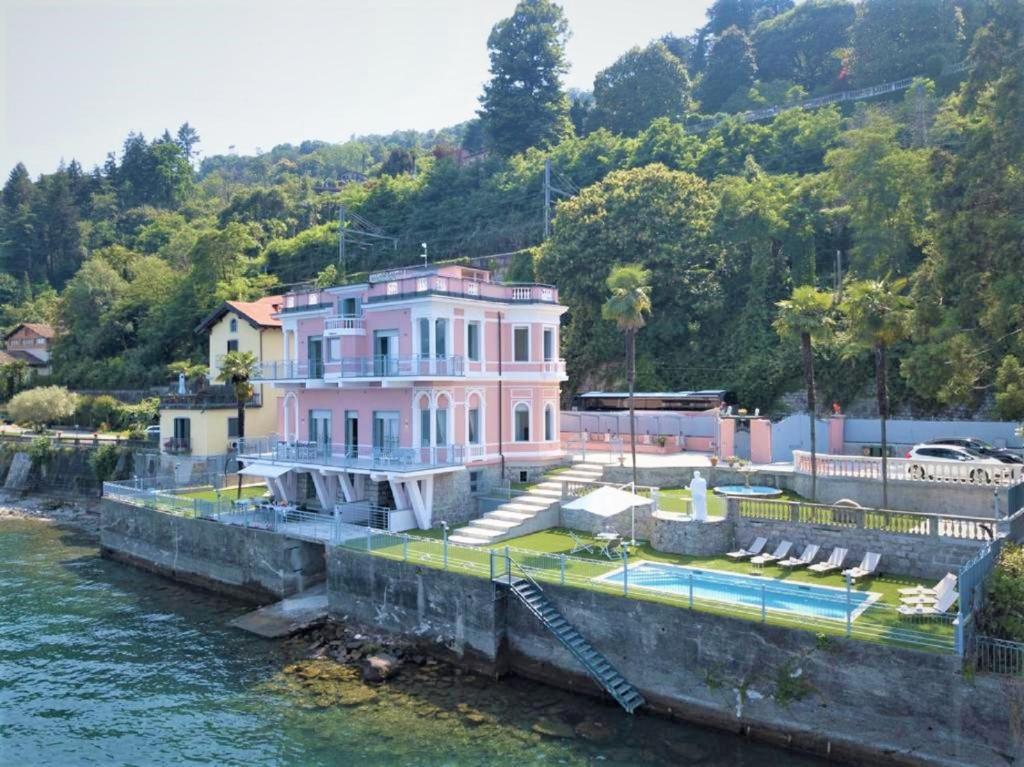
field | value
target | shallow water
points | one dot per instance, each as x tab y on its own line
103	664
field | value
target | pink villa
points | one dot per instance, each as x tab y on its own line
412	392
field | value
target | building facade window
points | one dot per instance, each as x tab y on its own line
233	325
233	345
473	426
424	332
473	341
474	481
233	427
522	422
521	344
549	423
441	426
441	338
549	344
349	307
424	428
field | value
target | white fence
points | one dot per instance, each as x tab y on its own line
862	467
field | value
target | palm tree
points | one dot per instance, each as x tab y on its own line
238	369
630	300
806	315
876	314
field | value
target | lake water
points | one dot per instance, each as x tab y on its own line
102	664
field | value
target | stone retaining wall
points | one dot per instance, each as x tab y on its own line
255	565
677	534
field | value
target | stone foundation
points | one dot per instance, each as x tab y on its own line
678	534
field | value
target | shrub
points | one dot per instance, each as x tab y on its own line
42	406
94	412
1002	614
40	451
104	461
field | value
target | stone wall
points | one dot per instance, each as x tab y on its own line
916	556
454	615
677	534
256	565
854	702
623	523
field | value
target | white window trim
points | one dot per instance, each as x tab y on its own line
481	355
529	343
554	342
549	406
482	409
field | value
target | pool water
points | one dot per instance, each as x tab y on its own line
747	591
760	491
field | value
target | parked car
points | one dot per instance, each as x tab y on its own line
981	447
982	470
153	432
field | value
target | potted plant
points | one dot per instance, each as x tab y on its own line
714	459
662	440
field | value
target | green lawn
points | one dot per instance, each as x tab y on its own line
227	494
542	555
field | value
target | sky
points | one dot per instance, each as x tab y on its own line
79	75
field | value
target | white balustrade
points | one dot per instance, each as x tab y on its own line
864	467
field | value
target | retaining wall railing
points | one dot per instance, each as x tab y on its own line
863	467
882	520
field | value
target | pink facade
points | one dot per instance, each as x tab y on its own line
419	372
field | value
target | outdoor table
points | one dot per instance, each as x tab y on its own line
608	541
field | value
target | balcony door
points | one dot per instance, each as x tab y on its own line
385	352
320	430
385	432
351	433
315	353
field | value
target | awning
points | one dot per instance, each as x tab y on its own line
607	502
267	470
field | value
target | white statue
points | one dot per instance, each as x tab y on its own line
181	384
699	496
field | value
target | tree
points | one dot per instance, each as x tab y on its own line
731	68
18	190
238	369
900	38
12	377
630	300
1010	389
806	316
643	85
876	317
187	139
805	45
524	105
399	161
743	14
42	406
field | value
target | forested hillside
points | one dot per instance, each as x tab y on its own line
926	183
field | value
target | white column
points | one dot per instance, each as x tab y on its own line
398	491
420	509
326	489
347	490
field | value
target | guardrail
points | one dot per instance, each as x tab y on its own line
379	366
863	467
883	520
372	457
838	615
999	656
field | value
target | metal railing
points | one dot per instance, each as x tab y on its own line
882	520
863	467
384	457
374	366
999	656
833	611
218	396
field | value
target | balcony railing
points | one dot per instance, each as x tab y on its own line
363	367
178	445
439	285
219	396
345	326
386	457
862	467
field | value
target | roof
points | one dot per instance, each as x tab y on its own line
39	328
259	313
28	357
607	501
6	359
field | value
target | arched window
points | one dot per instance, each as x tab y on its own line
423	403
522	422
549	423
233	325
474	436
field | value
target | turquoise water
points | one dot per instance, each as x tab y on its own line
102	664
747	591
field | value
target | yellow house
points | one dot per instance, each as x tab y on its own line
201	418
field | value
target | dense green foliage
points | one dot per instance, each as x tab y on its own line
1002	613
922	185
42	406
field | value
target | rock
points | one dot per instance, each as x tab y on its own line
377	668
596	732
553	728
353	644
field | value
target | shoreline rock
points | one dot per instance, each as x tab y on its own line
78	514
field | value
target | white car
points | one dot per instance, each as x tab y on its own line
153	432
980	469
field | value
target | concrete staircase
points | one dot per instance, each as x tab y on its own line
527	513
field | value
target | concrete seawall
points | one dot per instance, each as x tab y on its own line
254	565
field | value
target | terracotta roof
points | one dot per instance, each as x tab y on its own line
257	313
6	359
39	328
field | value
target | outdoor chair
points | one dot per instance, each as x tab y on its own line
809	553
781	552
948	581
941	607
834	562
578	544
866	567
755	548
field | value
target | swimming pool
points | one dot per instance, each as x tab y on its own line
746	590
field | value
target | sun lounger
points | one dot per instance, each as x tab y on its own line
939	608
834	562
578	544
948	581
867	566
781	552
755	548
808	555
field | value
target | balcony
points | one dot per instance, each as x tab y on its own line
366	458
406	287
351	368
206	398
178	446
344	326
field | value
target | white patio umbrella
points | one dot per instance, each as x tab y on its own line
609	501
